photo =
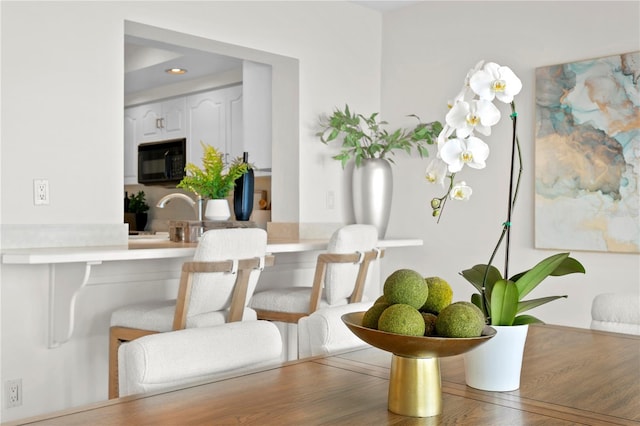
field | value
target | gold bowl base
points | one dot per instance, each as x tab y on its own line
414	387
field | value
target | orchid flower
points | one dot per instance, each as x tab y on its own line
444	135
478	115
460	191
436	171
466	88
471	151
494	81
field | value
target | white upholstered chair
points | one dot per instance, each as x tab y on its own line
163	360
324	333
340	278
214	288
616	312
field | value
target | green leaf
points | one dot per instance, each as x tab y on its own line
530	280
526	319
504	302
525	305
475	276
477	300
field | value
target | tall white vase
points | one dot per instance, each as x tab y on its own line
372	192
217	210
496	365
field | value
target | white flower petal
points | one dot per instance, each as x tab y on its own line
489	114
457	115
450	154
436	171
479	150
460	191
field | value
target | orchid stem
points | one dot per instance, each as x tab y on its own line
513	195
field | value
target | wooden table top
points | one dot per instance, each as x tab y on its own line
570	376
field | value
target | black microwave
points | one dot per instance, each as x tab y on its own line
163	162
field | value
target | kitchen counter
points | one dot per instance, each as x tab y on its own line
70	268
158	249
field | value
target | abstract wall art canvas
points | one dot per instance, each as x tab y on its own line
587	155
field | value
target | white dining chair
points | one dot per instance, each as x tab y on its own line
616	312
215	287
340	279
164	360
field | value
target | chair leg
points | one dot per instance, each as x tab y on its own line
117	336
114	344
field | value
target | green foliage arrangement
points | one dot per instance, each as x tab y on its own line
210	181
364	137
137	203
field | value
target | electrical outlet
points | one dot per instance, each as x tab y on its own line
40	192
13	393
330	200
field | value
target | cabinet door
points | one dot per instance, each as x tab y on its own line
206	124
150	128
173	120
234	122
131	128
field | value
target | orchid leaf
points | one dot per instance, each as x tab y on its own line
475	275
568	266
525	305
526	319
504	302
476	299
542	270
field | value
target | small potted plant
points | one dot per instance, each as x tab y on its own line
136	209
212	183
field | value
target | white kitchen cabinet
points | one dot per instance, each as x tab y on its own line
132	121
215	118
162	120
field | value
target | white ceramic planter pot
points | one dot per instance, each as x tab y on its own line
217	210
496	365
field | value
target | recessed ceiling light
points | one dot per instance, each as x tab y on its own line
175	71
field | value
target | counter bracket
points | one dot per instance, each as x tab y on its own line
66	280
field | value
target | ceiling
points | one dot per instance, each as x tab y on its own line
146	60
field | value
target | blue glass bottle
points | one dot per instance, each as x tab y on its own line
243	193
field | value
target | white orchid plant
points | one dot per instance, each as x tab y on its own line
473	112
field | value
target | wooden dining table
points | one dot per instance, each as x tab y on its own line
570	376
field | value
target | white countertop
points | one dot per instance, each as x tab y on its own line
158	250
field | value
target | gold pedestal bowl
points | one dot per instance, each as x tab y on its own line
414	384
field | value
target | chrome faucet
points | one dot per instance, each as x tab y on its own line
197	206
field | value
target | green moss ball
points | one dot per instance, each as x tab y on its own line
380	299
460	319
475	309
429	323
402	319
370	318
440	295
407	287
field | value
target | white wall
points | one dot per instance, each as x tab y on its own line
62	98
427	50
73	114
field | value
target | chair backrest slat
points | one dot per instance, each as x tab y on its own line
210	286
340	279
